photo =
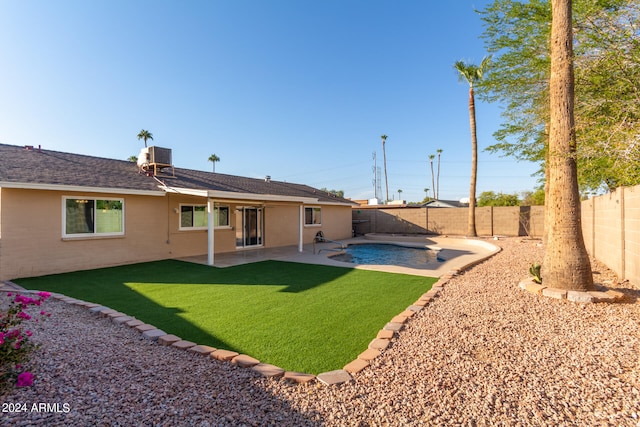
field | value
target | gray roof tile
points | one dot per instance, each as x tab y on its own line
40	166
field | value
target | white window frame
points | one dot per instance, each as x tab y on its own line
313	209
93	234
216	215
205	227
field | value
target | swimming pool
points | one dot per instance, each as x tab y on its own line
389	254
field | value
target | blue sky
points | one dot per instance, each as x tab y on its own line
295	89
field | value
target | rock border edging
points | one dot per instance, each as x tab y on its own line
602	294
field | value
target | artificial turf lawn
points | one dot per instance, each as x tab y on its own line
301	317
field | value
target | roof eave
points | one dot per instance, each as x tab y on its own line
79	188
247	197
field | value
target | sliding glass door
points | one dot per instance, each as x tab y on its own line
249	224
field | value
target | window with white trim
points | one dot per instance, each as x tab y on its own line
313	216
195	217
85	217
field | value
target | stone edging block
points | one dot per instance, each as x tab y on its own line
168	339
224	355
299	377
205	350
267	370
356	366
121	319
379	344
554	293
386	334
153	334
183	344
369	354
574	296
145	327
245	361
334	377
133	323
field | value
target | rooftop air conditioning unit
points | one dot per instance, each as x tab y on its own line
160	155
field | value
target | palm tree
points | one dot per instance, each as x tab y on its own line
472	73
566	262
439	150
213	159
426	193
384	155
133	159
433	182
145	134
399	194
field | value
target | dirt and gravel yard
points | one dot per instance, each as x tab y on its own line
483	353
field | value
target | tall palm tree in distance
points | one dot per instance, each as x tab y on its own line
384	155
433	180
566	262
426	193
213	159
399	194
439	150
472	73
145	134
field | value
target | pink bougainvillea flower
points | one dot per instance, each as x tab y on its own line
25	379
44	295
1	338
28	333
9	294
24	315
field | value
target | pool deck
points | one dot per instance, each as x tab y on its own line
459	253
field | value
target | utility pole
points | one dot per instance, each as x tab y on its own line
375	176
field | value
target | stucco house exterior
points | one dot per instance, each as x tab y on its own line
63	212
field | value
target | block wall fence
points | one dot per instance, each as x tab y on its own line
611	229
610	225
490	221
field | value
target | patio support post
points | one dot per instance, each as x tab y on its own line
301	232
210	228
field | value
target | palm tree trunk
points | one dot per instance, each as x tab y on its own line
433	181
566	263
438	179
474	165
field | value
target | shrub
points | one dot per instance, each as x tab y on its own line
15	343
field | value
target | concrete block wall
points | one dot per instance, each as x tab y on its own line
632	233
611	229
447	220
490	221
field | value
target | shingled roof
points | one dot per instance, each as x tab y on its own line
39	167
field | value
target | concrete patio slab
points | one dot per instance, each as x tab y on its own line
457	253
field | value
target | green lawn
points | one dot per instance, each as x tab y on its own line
301	317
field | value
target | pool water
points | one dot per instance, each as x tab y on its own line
388	254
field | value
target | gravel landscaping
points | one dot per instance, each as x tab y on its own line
484	352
